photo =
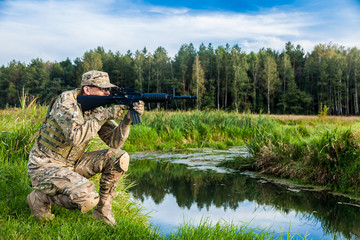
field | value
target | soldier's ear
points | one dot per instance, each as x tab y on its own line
86	90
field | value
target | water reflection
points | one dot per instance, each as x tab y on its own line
179	186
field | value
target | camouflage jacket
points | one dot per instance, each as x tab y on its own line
66	132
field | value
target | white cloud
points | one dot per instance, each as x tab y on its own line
54	30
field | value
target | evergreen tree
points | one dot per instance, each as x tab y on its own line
207	59
240	82
271	78
149	70
183	62
139	66
162	70
220	58
228	74
355	56
68	77
12	82
197	86
92	61
115	71
286	75
352	69
3	87
254	70
183	67
126	70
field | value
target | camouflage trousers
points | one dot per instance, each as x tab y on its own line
56	178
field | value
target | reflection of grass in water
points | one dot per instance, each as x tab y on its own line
226	230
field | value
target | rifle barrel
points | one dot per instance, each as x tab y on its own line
185	97
162	97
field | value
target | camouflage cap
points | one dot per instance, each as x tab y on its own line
97	78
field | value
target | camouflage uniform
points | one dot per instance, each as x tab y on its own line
59	166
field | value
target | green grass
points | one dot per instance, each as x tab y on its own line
178	130
159	131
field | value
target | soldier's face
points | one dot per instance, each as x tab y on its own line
95	91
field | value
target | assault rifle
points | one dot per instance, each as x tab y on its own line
127	96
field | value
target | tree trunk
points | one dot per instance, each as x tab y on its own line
268	95
347	94
356	100
218	89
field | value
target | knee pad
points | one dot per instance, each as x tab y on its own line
119	160
124	161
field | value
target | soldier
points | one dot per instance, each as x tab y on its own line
59	166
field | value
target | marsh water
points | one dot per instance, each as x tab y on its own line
188	187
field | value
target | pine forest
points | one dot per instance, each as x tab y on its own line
224	78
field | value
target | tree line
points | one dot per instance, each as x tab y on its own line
225	77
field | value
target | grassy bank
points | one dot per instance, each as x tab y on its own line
318	151
159	131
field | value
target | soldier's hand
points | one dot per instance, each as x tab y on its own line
115	111
139	107
99	113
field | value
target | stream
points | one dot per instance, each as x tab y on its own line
188	187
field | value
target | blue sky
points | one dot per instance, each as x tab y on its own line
55	30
